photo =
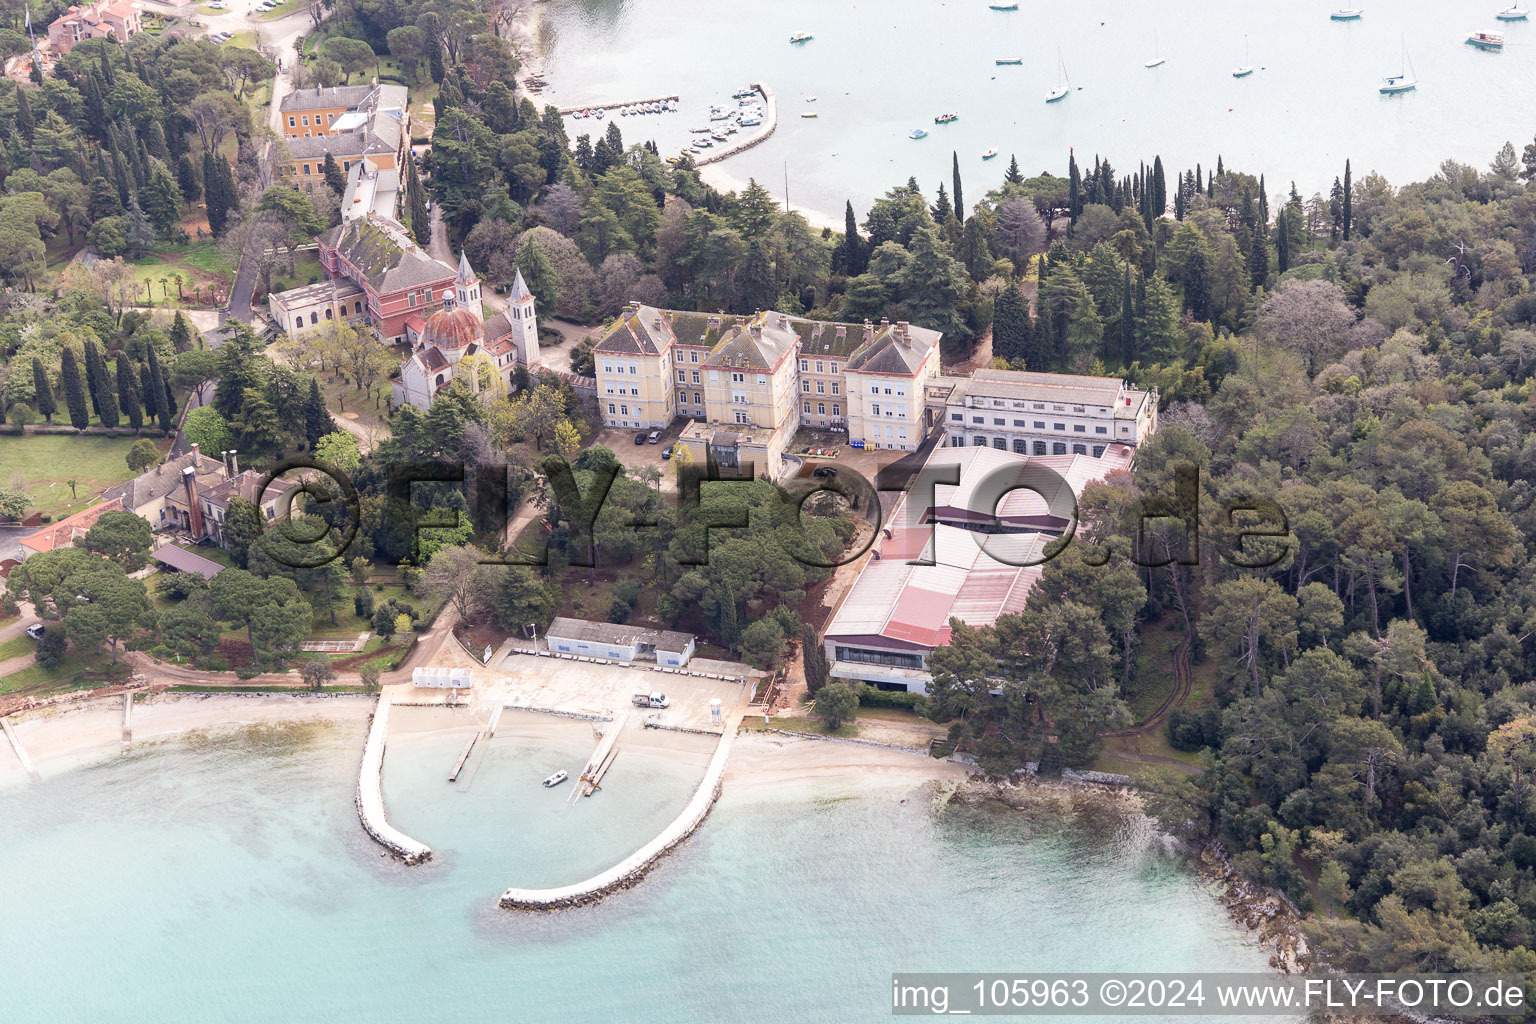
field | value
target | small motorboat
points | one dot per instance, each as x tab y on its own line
1486	40
718	136
808	113
555	779
750	122
699	131
741	94
1346	14
801	37
1010	60
946	118
917	133
1004	7
989	154
732	130
1515	13
601	113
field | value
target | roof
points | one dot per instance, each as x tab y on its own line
320	291
618	633
326	97
452	328
646	330
248	486
899	349
339	143
974	576
1057	388
762	344
385	254
63	533
466	275
153	485
181	559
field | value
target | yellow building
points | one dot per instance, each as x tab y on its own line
363	124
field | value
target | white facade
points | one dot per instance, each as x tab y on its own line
1047	413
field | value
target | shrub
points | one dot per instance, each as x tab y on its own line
1185	730
873	697
618	611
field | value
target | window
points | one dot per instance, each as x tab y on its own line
1039	425
821	387
742	417
837	410
1100	430
623	410
1039	405
306	169
956	417
818	367
695	377
1000	443
633	369
1039	447
610	409
834	367
1020	446
762	381
835	388
682	397
693	357
314	318
1079	449
978	419
306	120
682	377
805	366
821	408
998	421
738	378
292	121
1058	449
1078	428
805	386
1098	451
807	408
1059	426
1018	423
887	390
410	300
874	389
698	399
328	315
874	410
606	367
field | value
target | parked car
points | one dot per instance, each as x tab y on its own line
640	438
37	631
654	437
666	453
826	471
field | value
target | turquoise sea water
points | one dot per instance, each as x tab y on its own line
229	880
879	68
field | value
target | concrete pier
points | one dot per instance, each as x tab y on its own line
612	107
632	868
127	718
370	793
770	124
21	752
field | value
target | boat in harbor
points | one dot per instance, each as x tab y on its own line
1157	53
1063	83
555	779
801	37
1485	40
699	131
1346	14
1244	69
1405	80
743	94
1010	60
917	133
1515	13
1004	7
808	113
946	118
989	154
751	122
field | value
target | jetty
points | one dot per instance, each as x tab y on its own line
770	123
610	107
458	766
370	793
601	759
21	752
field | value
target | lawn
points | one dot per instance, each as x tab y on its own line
306	270
202	266
77	670
45	462
16	646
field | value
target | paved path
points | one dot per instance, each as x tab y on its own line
28	616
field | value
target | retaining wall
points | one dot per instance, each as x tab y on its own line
630	870
370	794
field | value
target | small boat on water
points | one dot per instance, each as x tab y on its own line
1515	13
917	133
810	99
1484	40
808	113
989	154
555	779
1157	53
601	113
1405	80
699	131
741	94
1004	7
1346	14
718	136
946	118
801	37
1063	83
1244	69
751	122
1010	60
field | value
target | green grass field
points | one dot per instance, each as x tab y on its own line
46	462
77	670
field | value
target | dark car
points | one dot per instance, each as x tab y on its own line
825	471
36	631
666	453
640	438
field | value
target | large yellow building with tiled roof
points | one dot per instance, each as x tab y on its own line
748	383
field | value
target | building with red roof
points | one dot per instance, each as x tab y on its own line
63	533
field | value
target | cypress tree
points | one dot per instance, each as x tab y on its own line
1074	187
1348	201
157	388
154	143
815	661
1220	170
74	390
166	391
1258	259
106	72
120	176
853	245
24	122
1197	284
416	200
94	108
148	393
317	418
1263	204
1283	240
959	196
44	388
95	370
1159	188
186	179
105	398
213	190
1127	322
1010	320
730	625
128	394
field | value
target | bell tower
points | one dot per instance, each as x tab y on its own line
466	287
525	324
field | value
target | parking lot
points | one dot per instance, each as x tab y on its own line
601	688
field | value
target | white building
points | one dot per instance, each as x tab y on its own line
618	642
1047	413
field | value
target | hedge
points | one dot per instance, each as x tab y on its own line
870	697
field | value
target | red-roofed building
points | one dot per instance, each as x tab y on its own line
63	533
118	19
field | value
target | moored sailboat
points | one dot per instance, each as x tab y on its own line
1405	80
1244	69
1063	83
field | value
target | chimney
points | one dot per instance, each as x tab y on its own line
234	463
869	332
904	333
842	333
194	508
784	321
197	459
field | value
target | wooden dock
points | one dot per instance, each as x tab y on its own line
602	757
458	766
21	753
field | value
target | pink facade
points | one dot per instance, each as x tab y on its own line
119	20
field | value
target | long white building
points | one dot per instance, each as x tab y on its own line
1047	413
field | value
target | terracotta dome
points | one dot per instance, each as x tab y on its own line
452	328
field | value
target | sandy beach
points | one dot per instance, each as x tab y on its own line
59	739
719	177
761	762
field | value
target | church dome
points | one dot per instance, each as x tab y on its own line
452	327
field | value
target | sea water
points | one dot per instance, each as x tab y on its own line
227	878
880	68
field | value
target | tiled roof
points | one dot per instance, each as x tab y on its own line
146	487
326	97
181	559
63	533
618	633
760	345
451	328
387	257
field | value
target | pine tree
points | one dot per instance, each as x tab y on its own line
1074	187
157	394
758	288
24	122
1013	177
44	388
181	333
317	418
1348	207
128	394
74	390
1197	284
941	210
333	176
162	201
213	190
1127	324
187	181
1157	322
959	196
416	202
1258	259
1010	325
853	245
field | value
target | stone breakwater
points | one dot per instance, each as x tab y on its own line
770	124
629	871
370	794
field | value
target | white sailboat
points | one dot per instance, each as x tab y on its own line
1157	53
1063	83
1244	69
1405	80
1514	13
